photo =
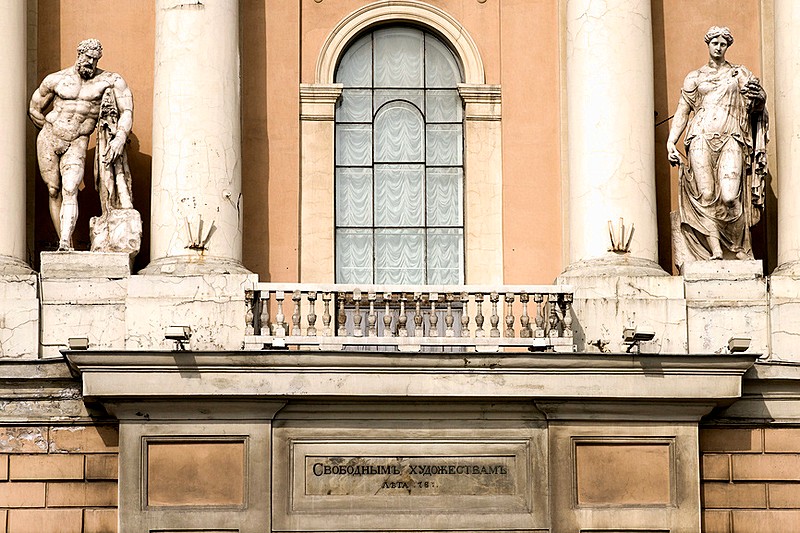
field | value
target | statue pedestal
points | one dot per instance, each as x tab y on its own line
726	299
83	295
71	265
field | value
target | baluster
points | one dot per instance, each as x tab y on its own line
494	319
280	325
372	318
448	318
387	316
312	315
342	318
296	296
326	314
249	314
509	332
434	320
479	315
357	318
263	322
402	319
539	298
567	308
465	314
524	320
417	314
553	331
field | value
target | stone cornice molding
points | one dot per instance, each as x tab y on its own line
482	102
411	11
651	378
318	101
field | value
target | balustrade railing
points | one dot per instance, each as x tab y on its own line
409	318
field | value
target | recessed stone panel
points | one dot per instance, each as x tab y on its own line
195	474
622	474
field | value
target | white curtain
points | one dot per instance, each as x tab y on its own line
399	161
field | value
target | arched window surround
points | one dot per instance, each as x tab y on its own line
482	133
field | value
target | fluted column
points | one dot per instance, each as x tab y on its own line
13	106
609	64
787	126
196	219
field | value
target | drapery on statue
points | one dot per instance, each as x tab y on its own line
81	96
721	191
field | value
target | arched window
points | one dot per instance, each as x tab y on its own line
399	151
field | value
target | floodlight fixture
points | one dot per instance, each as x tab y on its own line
78	343
179	334
738	344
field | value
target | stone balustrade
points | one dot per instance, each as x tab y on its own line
409	318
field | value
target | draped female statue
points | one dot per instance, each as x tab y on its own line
722	182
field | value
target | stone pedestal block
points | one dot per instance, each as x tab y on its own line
19	316
213	306
726	299
85	265
83	295
605	305
784	307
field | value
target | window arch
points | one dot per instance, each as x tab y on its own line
399	161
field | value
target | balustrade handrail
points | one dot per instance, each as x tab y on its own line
408	317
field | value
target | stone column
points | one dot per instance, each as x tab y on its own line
787	126
13	106
609	63
196	218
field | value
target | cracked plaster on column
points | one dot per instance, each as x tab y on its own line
610	97
196	133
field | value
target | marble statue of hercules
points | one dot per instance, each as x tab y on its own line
76	94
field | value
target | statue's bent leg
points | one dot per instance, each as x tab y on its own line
49	169
731	169
701	157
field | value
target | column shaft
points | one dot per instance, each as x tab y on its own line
196	219
610	128
787	126
13	106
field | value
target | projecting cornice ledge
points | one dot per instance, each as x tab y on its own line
705	379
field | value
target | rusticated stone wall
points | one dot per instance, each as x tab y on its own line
750	479
58	478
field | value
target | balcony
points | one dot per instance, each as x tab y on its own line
407	318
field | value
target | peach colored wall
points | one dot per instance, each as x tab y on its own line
678	30
531	141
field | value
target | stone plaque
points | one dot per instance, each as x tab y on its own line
410	476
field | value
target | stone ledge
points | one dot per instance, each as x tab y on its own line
154	375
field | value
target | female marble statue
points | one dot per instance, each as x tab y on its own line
721	186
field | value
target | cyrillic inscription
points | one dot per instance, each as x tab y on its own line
410	476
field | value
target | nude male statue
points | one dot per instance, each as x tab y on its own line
76	94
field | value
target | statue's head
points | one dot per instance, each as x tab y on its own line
719	31
89	53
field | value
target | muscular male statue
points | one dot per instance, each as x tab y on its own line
76	94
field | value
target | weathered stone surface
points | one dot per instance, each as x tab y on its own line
119	230
71	265
23	439
19	316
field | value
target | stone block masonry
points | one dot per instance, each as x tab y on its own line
58	479
750	479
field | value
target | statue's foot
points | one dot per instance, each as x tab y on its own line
716	256
743	256
65	247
